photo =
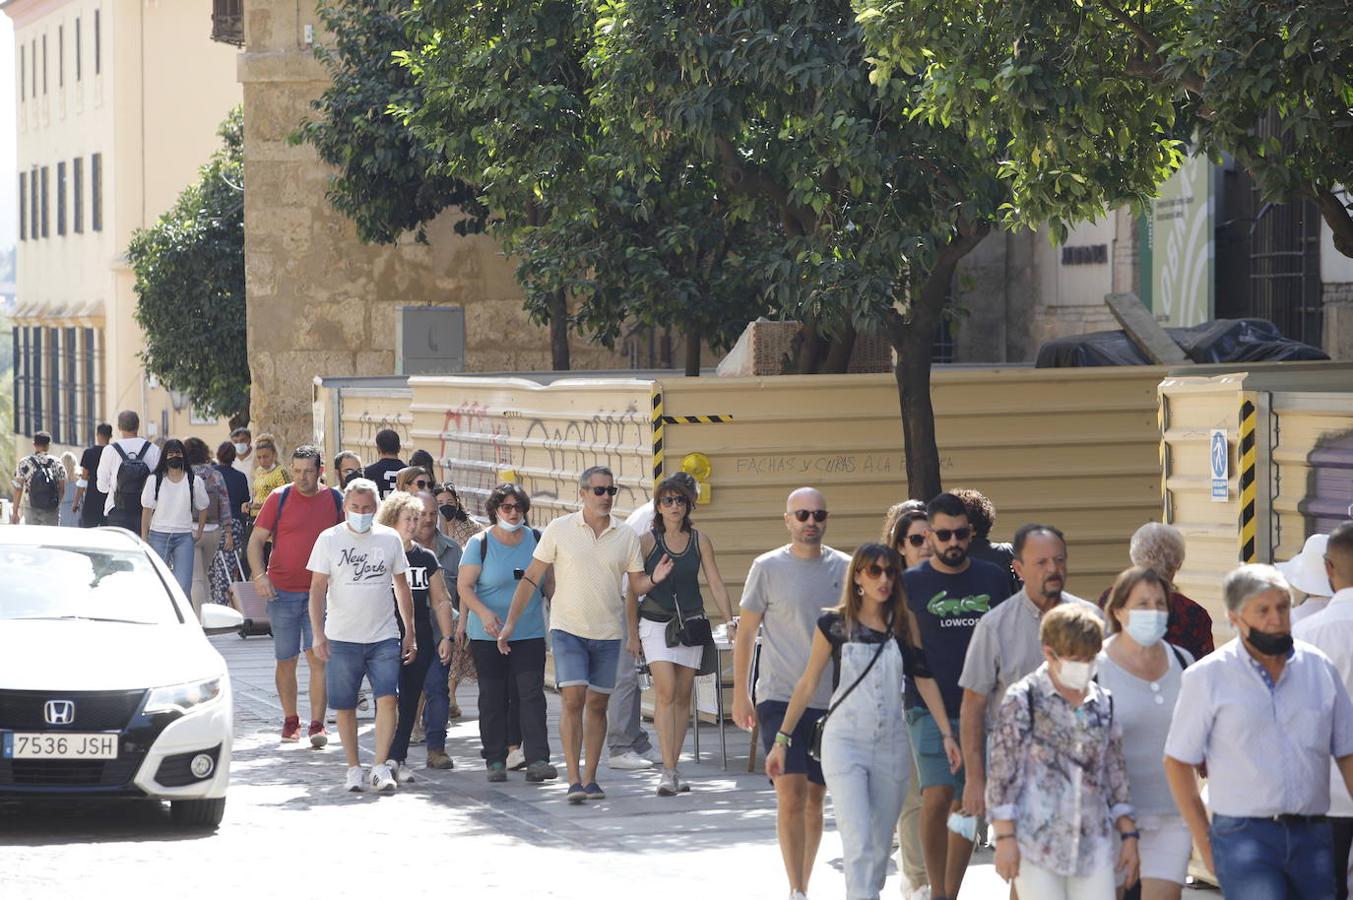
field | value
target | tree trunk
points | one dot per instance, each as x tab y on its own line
811	348
559	332
692	354
241	418
838	355
1340	222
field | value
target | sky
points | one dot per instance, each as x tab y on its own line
9	164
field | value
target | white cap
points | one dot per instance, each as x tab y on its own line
1306	570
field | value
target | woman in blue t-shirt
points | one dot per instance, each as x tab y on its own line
494	561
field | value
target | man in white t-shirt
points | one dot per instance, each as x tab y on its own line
353	566
123	507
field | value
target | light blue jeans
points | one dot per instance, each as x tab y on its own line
866	762
177	550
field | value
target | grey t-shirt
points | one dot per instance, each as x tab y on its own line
790	594
1005	647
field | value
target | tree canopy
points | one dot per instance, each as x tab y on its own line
189	270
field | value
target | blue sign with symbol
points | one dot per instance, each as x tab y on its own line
1220	459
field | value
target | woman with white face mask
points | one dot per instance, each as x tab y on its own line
1143	673
1057	784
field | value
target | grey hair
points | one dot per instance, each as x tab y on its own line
361	486
1249	581
1158	547
586	477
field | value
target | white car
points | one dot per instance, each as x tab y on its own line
109	687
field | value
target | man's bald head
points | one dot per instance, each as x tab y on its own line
805	497
1339	557
806	519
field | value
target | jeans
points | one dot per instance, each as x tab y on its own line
1260	859
437	709
176	548
523	668
866	761
1035	881
205	556
411	680
623	729
348	662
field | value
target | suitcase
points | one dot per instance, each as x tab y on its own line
250	603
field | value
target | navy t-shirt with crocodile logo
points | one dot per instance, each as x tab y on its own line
947	608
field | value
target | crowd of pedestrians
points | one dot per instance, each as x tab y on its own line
936	684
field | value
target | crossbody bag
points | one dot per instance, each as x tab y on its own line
815	748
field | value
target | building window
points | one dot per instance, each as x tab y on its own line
98	43
45	222
77	188
33	210
17	400
23	72
71	420
96	191
91	383
54	384
44	65
23	206
33	65
35	360
61	198
77	48
22	397
61	56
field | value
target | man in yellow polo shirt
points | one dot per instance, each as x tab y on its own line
590	550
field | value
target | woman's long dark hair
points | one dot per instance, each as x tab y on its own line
852	599
162	467
667	487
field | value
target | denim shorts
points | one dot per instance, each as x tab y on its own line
290	617
770	715
928	745
348	662
584	661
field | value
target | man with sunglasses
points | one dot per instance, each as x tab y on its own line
785	593
590	551
949	593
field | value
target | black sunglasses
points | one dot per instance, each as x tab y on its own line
509	507
944	534
609	489
915	540
874	570
817	515
674	500
422	485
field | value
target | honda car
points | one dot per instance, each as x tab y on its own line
109	687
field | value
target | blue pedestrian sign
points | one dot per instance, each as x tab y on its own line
1220	464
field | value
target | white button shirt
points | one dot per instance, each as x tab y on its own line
1331	629
1267	747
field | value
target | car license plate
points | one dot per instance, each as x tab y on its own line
21	745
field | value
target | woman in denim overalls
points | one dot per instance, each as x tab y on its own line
866	757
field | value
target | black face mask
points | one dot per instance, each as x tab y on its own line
453	513
1269	644
355	473
175	462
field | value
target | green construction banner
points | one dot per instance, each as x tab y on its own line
1180	247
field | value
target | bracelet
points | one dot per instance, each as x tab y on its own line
783	739
1002	837
1130	835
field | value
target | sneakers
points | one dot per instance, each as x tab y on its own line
629	761
540	771
797	895
920	893
401	773
319	738
291	729
381	779
497	772
667	783
516	760
683	786
594	792
437	759
653	755
355	783
576	794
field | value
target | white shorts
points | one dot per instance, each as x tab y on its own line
653	636
1165	847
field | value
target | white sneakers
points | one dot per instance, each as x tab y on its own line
629	761
381	779
516	759
653	755
355	783
401	773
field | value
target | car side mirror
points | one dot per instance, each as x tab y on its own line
218	619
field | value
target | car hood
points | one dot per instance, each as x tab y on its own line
79	655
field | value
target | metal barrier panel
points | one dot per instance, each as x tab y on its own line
1312	466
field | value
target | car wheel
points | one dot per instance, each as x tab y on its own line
197	813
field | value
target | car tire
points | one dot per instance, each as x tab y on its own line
197	813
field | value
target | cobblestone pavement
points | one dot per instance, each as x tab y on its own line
290	830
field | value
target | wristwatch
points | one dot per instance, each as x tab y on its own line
783	739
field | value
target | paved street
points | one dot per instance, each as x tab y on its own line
291	830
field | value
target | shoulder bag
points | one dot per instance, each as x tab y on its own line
815	748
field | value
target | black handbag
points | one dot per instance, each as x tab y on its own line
693	632
815	747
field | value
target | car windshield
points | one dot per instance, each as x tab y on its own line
82	583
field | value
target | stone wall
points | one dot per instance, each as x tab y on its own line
319	301
1338	330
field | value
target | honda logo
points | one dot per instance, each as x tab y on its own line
59	712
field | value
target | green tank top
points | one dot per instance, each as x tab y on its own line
682	583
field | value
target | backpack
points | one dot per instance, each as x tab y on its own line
131	478
484	545
44	488
282	502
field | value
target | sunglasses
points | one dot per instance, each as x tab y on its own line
674	500
422	485
611	490
509	507
916	540
817	515
874	570
943	535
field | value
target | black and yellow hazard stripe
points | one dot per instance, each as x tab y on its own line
1248	456
696	420
659	422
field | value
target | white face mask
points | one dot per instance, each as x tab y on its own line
1073	675
241	449
510	527
1147	626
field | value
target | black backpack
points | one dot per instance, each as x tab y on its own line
44	488
131	479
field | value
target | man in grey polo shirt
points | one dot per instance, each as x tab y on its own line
1005	647
785	593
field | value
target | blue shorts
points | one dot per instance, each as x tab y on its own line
348	662
290	617
928	746
582	661
770	715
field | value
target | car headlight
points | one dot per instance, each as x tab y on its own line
182	697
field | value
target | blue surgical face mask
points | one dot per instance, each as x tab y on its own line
360	522
509	527
1147	626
